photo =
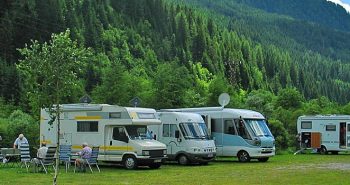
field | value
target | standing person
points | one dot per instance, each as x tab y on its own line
19	141
84	154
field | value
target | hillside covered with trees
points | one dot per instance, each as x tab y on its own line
170	55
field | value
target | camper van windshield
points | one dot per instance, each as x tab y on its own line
193	131
138	132
259	127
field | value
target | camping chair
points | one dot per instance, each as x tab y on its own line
64	154
25	155
49	158
93	159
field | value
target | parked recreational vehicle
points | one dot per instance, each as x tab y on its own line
237	132
325	133
186	137
121	132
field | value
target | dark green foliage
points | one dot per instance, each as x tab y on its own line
289	98
171	55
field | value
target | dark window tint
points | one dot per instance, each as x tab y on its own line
87	126
119	133
229	127
306	125
114	115
331	127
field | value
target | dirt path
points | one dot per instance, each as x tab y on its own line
332	166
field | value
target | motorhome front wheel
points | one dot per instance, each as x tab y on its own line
130	162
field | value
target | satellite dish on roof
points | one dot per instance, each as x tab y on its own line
135	101
224	99
85	99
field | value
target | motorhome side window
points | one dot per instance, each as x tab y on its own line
119	133
115	115
306	125
169	130
331	127
216	125
242	129
87	126
229	127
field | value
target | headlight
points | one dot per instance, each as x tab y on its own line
257	142
145	152
164	152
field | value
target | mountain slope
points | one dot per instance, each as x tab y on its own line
317	11
280	30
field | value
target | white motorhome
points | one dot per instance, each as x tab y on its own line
186	137
237	132
327	133
120	132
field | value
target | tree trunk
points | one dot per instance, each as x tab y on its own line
57	143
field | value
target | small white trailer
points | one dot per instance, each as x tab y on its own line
186	137
326	133
120	132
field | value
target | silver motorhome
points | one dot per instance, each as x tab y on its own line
186	137
120	132
327	133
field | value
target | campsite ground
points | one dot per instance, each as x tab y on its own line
281	169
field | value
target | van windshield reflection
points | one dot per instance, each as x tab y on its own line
259	127
138	132
194	130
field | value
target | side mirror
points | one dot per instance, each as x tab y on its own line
177	134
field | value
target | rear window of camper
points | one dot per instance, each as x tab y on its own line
146	116
330	127
306	125
87	126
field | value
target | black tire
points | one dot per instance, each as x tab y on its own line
183	160
130	162
323	150
155	165
243	156
263	159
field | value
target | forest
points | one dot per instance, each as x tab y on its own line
170	55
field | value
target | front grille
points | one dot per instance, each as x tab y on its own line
156	153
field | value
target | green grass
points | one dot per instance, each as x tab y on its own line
281	169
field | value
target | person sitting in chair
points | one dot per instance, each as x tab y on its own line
84	154
40	155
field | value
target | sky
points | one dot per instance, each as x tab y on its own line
344	3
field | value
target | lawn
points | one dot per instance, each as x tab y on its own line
281	169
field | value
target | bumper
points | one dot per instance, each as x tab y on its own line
150	160
263	152
200	158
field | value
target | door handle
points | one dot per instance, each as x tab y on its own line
110	143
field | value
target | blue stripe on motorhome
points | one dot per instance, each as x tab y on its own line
229	140
234	140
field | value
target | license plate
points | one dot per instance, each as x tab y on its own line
210	155
157	160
